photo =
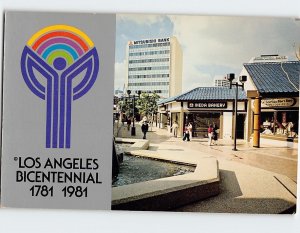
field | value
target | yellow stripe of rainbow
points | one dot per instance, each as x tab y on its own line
60	27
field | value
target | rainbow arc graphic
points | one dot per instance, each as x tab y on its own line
65	57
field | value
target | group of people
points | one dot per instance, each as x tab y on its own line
187	134
212	132
212	135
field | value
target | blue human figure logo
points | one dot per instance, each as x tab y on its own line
67	78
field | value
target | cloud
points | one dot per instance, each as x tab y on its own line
213	46
120	74
141	19
193	77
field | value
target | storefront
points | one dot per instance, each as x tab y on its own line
275	87
206	106
268	108
279	117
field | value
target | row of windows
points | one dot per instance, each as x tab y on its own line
149	68
157	91
149	60
161	91
150	53
149	45
148	84
149	76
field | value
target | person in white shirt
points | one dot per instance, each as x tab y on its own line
175	129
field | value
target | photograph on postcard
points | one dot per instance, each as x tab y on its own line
206	113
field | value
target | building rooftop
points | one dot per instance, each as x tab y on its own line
275	77
207	93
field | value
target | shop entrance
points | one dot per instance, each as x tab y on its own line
201	121
240	125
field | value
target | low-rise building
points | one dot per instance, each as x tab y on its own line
274	86
268	107
203	106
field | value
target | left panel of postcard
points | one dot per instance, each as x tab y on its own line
57	116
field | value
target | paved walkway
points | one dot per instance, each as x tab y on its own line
253	180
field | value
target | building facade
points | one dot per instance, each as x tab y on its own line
204	106
268	107
273	87
154	65
221	82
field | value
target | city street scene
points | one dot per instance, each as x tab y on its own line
206	114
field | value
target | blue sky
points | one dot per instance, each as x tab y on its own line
212	45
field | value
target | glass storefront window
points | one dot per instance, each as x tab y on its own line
280	123
201	122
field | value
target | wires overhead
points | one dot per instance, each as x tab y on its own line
287	75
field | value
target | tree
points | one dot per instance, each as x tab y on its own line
147	104
125	107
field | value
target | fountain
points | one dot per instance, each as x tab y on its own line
135	169
168	192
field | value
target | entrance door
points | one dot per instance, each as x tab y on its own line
240	125
201	122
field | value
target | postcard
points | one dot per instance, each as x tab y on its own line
150	112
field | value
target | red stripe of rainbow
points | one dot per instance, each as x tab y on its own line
60	40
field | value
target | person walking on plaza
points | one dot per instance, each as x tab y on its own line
128	123
145	128
215	134
190	129
175	128
210	131
186	133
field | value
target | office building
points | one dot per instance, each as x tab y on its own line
154	65
221	82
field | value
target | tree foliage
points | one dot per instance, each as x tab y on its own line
147	104
125	107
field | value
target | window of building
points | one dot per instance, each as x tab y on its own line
280	123
149	68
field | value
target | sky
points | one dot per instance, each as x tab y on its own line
212	45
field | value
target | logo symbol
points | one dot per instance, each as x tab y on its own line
59	64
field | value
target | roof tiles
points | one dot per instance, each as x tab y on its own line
207	93
275	77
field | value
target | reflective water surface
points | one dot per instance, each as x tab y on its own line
137	169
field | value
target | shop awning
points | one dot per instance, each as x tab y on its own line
275	78
212	93
207	93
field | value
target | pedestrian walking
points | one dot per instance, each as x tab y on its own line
186	134
215	134
145	129
210	134
175	129
128	123
190	129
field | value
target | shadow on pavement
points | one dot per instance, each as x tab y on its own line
230	200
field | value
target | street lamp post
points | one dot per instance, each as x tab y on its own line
133	109
242	79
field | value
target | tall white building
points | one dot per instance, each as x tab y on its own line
154	65
221	82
